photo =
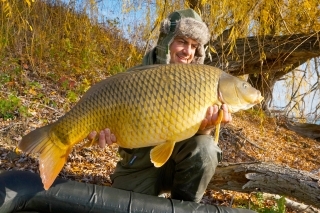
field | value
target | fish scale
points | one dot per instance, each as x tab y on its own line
155	105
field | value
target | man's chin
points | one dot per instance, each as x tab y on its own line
180	61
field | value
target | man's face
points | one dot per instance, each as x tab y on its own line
182	50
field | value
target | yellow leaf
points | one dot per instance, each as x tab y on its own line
32	92
30	27
29	2
212	49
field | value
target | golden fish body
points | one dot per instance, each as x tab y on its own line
155	105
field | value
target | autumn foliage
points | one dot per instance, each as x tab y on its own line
52	39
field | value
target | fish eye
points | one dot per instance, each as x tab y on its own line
245	85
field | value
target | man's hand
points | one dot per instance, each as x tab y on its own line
211	118
105	137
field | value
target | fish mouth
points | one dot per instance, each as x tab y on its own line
259	99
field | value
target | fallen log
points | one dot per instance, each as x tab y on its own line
270	178
305	129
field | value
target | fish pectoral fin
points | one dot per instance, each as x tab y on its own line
90	142
218	122
161	153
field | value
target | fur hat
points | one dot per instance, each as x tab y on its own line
182	23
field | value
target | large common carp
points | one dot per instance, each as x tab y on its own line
156	105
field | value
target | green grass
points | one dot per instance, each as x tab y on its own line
11	107
262	206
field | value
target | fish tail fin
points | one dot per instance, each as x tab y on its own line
161	153
51	158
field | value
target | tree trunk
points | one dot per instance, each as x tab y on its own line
305	129
270	178
264	54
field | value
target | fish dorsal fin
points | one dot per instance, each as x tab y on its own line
144	67
161	153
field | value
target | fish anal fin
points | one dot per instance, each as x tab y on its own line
51	161
161	153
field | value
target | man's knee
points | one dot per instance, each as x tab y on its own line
200	149
207	150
